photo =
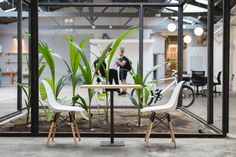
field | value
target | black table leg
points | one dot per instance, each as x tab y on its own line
112	143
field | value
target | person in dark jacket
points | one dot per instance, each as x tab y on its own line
123	62
101	71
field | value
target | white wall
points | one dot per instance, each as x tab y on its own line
197	59
131	52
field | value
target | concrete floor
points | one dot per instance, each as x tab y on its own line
225	147
89	147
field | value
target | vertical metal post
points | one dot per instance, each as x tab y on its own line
210	51
226	55
19	54
141	14
34	67
180	43
112	116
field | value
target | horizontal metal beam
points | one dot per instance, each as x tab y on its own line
43	27
62	4
94	14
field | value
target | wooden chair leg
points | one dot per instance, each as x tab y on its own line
72	127
76	127
148	134
50	133
77	130
54	131
147	131
55	126
172	134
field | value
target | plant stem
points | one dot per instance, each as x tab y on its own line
107	104
139	117
89	111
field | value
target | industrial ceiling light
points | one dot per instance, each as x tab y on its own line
71	20
198	31
171	27
110	26
93	26
187	39
66	20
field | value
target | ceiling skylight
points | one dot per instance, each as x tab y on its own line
202	1
188	8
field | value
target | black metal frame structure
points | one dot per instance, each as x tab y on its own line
33	58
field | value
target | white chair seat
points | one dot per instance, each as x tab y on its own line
60	108
159	108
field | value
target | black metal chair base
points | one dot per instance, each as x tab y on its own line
114	144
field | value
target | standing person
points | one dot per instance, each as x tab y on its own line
124	65
113	73
101	71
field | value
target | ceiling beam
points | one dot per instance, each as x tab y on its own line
96	14
58	27
63	4
130	19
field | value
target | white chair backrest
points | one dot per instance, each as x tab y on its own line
175	96
50	96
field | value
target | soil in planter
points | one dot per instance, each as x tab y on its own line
125	121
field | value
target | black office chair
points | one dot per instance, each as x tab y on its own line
218	82
198	80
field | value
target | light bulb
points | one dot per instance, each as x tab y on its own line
187	39
110	26
71	20
66	20
93	27
198	31
171	27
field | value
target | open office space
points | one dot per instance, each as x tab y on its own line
115	78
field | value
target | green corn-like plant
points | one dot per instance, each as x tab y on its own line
109	53
86	69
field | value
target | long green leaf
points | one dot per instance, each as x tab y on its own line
133	100
80	100
82	43
46	52
102	58
60	84
41	69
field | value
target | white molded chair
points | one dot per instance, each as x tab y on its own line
58	108
166	108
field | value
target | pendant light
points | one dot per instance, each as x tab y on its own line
187	39
171	27
198	31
